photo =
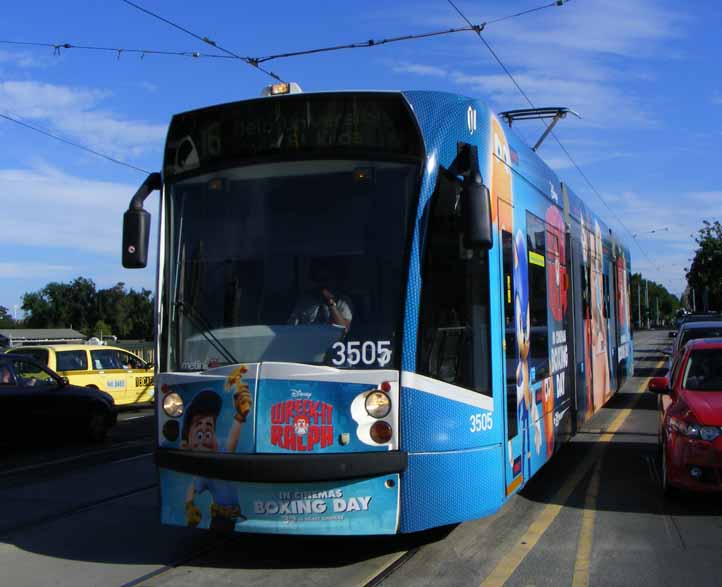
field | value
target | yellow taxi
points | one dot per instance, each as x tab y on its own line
126	377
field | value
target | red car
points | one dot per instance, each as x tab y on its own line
691	418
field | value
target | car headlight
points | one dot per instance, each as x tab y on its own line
173	405
709	433
378	404
694	430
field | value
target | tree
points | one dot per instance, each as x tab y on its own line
102	328
62	305
126	314
705	273
6	320
668	303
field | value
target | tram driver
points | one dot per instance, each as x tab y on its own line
323	303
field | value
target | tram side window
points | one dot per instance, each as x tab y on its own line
605	282
539	346
454	328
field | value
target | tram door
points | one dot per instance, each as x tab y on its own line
513	467
572	328
613	325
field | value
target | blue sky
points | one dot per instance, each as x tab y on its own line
642	73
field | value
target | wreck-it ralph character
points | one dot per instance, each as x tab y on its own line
199	434
524	398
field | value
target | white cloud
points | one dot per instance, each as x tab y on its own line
21	59
51	208
149	87
584	55
668	251
31	270
627	28
75	113
420	69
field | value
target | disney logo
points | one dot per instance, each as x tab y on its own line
299	393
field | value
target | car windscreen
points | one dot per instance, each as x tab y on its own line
40	355
695	333
704	371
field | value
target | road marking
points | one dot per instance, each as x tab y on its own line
586	533
126	460
512	559
78	457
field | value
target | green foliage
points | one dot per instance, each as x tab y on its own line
6	320
705	273
78	304
102	328
668	303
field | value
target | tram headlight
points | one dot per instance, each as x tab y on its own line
381	432
173	405
378	404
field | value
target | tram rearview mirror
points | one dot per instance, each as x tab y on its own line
136	225
136	233
477	214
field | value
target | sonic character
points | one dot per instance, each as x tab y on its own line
199	434
524	399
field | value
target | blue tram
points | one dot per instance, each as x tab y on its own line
377	312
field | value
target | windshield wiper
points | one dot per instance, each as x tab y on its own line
202	324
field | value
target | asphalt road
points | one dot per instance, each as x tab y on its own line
82	515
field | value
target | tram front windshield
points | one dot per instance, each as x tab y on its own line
295	261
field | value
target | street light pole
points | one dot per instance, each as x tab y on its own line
639	302
657	304
646	301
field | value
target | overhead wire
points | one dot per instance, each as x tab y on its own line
256	61
57	47
556	139
477	28
250	61
16	119
370	43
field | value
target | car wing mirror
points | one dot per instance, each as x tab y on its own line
659	385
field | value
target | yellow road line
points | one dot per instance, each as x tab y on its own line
509	563
586	534
512	559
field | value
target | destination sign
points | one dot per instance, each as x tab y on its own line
364	125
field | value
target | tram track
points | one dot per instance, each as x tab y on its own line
375	580
87	455
392	567
196	554
68	512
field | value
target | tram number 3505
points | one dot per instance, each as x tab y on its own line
480	422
